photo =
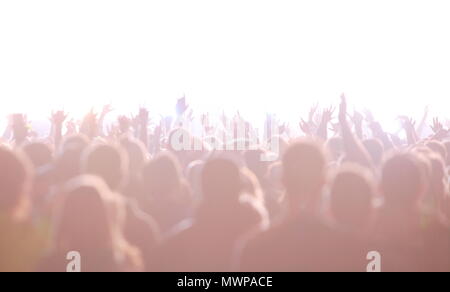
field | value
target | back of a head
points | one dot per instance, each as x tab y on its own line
108	162
375	149
304	168
161	175
403	181
84	219
15	171
67	164
352	192
39	153
77	141
136	153
221	181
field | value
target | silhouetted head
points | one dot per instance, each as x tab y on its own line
161	176
304	169
67	164
352	192
108	162
137	154
87	217
403	181
375	149
40	154
77	141
221	181
15	175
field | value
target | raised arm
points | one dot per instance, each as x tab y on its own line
19	129
327	116
89	125
377	130
143	126
423	122
354	150
57	120
410	130
358	119
105	111
438	129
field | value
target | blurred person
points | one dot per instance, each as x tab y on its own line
109	162
352	193
22	242
165	193
138	157
207	242
405	242
89	221
260	169
40	154
298	243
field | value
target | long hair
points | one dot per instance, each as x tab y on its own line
90	218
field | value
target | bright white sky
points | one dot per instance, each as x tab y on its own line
392	56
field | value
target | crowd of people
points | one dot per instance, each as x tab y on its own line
126	200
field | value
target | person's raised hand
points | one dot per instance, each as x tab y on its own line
407	123
71	127
312	112
335	128
304	126
124	123
107	108
181	106
327	114
437	126
58	117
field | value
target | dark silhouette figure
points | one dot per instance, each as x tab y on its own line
207	243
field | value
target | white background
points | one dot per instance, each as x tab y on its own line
279	56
